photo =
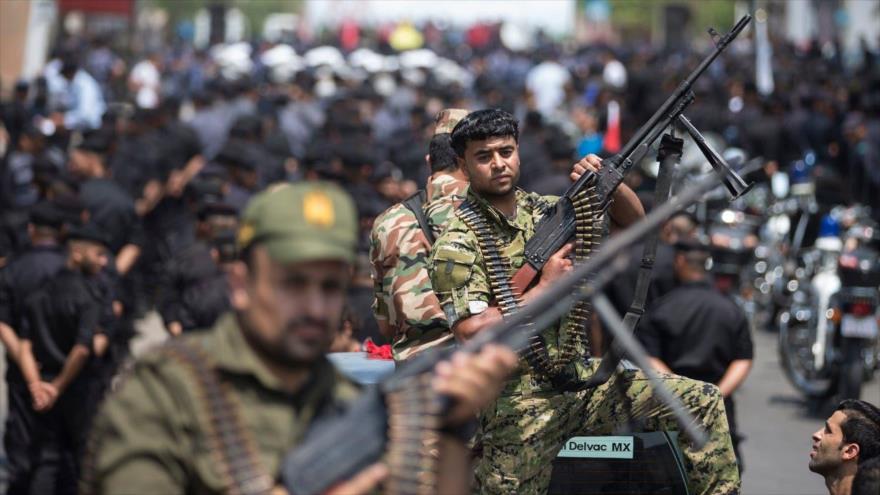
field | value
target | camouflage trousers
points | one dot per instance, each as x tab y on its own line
522	434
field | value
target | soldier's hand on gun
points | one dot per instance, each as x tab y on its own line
473	380
557	265
590	163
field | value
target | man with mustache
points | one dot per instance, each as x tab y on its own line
471	266
216	412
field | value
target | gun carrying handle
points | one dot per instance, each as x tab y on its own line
522	278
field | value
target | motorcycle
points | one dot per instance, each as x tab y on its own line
828	338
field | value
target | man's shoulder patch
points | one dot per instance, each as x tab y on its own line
452	268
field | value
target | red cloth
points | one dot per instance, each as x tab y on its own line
349	35
611	142
377	351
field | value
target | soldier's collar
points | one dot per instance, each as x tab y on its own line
494	213
442	184
235	355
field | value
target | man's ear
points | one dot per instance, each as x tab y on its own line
237	275
462	166
428	161
850	452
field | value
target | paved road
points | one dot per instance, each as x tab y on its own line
778	426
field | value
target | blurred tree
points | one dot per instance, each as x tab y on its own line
255	11
646	16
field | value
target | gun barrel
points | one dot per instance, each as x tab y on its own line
683	89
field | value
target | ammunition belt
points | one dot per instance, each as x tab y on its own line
574	334
238	460
413	437
498	271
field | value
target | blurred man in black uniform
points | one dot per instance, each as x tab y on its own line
28	271
697	332
19	279
239	159
194	287
60	334
621	290
110	207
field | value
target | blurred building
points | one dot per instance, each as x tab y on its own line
29	28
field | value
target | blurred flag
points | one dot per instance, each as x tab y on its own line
611	143
763	56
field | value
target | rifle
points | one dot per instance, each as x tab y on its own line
339	446
558	225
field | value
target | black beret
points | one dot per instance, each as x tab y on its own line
97	141
46	214
88	232
69	206
215	208
688	245
237	154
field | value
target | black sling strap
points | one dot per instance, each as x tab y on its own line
414	204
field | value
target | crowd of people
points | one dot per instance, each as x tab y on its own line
124	189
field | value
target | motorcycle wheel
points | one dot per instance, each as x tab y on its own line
852	369
795	351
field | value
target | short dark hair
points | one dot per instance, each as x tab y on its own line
861	426
867	480
441	154
483	124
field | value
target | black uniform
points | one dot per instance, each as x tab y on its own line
23	276
65	312
698	332
621	290
194	289
111	209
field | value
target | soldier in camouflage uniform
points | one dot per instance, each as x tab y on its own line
524	429
404	304
216	411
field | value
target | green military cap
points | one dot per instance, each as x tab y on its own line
301	222
447	118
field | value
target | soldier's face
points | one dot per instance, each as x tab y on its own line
292	311
829	451
91	256
80	162
492	166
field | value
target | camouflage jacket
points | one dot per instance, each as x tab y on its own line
154	434
460	278
403	299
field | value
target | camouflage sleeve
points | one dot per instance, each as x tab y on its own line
381	296
458	275
399	253
439	213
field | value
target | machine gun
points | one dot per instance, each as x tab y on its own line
558	225
338	447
